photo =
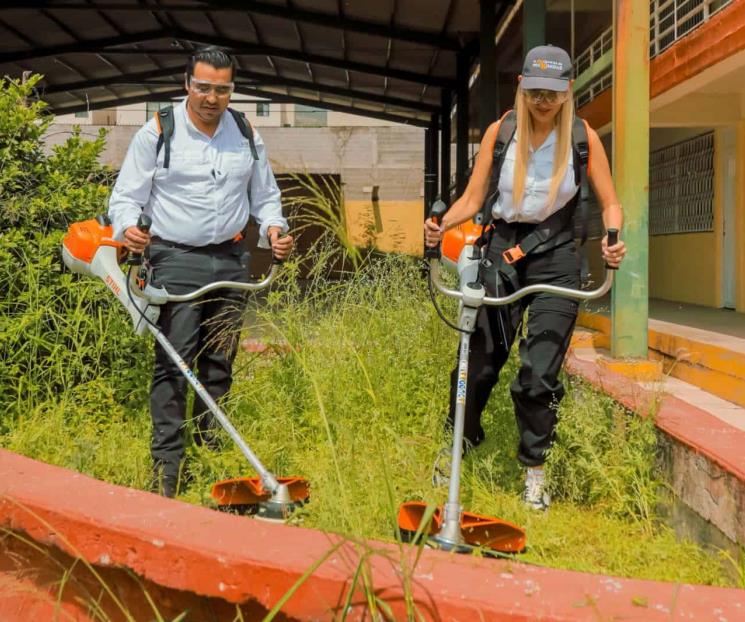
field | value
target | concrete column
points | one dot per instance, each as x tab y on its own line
488	61
534	24
462	123
446	103
630	297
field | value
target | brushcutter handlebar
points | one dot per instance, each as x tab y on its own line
436	212
566	292
249	287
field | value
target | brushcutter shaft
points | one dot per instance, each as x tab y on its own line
268	480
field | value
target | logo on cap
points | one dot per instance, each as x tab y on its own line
544	64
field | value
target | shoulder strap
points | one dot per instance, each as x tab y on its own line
507	127
164	122
581	156
245	127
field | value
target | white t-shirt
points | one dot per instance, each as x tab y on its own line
534	206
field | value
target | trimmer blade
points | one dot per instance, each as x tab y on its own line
477	531
249	491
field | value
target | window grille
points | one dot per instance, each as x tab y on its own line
681	187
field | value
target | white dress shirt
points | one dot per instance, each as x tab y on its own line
534	207
205	195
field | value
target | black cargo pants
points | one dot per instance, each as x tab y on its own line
205	334
536	391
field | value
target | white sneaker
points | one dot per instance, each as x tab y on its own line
535	495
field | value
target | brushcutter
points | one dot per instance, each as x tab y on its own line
88	248
451	528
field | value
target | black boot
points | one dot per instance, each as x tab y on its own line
166	478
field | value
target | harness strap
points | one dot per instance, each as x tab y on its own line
245	127
165	124
164	121
555	228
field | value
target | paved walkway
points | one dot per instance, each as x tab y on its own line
723	321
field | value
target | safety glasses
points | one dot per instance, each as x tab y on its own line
205	87
543	95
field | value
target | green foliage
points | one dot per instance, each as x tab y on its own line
56	330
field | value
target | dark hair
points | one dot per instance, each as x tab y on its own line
212	56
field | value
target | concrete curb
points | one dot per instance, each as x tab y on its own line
188	551
708	473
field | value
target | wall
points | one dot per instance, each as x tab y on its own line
682	267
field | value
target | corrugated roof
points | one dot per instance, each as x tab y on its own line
388	58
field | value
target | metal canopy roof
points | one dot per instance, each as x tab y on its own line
383	58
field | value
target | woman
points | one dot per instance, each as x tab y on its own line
536	181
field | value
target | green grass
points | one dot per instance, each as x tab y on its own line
358	409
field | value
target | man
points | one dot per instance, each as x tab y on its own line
199	204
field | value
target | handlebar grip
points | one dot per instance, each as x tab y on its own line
144	222
612	241
436	212
276	260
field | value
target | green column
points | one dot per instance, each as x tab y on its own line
534	24
630	297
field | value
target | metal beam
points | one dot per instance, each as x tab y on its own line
431	161
120	101
241	48
326	105
630	296
488	62
534	24
264	95
445	105
132	78
462	138
336	90
327	20
265	79
82	46
237	48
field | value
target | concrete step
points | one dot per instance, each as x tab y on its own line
709	360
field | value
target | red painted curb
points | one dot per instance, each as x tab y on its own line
686	423
238	560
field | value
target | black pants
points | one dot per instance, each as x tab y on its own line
536	391
205	334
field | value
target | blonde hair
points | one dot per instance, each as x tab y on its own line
524	130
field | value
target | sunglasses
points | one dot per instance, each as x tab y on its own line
205	87
543	95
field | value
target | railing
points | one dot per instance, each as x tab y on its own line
670	20
601	45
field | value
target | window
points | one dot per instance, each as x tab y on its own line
83	114
681	187
262	109
308	116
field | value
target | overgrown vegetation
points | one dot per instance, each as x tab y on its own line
357	405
